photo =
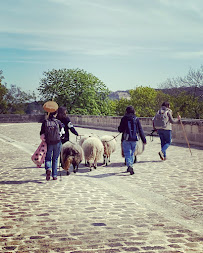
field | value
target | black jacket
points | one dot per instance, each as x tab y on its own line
68	126
124	122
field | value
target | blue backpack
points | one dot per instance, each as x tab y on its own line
130	133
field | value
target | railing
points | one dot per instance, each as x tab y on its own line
193	128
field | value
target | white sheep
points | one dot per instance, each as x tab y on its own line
93	151
71	154
83	138
81	142
109	143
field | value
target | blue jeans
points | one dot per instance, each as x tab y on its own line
129	150
165	137
51	159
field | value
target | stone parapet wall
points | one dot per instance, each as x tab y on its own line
193	131
19	118
193	128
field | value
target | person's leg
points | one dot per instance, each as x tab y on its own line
56	153
162	137
163	141
167	137
133	147
127	152
48	159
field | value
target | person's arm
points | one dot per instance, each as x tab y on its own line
171	119
42	131
121	127
71	127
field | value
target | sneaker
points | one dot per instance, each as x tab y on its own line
54	178
130	169
165	158
161	155
48	173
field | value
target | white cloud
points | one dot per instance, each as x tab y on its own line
187	55
112	31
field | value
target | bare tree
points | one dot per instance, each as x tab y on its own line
192	83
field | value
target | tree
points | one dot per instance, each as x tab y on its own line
144	101
13	99
3	91
17	100
120	106
190	85
80	92
186	106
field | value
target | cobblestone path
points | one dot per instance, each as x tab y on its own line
158	209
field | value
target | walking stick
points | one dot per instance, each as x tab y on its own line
185	135
59	167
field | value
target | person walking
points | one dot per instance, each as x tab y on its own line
130	127
164	127
63	117
51	129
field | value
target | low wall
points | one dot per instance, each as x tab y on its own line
193	128
19	118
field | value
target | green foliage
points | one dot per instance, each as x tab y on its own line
187	105
160	98
13	99
120	106
3	103
80	92
3	91
144	101
83	93
112	105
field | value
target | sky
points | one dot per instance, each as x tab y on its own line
124	43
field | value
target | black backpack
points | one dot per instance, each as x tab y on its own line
52	131
130	133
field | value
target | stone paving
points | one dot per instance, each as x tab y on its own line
158	209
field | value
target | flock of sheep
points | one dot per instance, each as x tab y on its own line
92	148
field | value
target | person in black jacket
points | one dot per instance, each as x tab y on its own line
63	117
129	127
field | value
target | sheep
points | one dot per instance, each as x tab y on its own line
93	151
71	154
109	143
81	142
83	138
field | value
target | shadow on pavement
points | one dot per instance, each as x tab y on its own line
32	167
157	161
22	182
100	175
